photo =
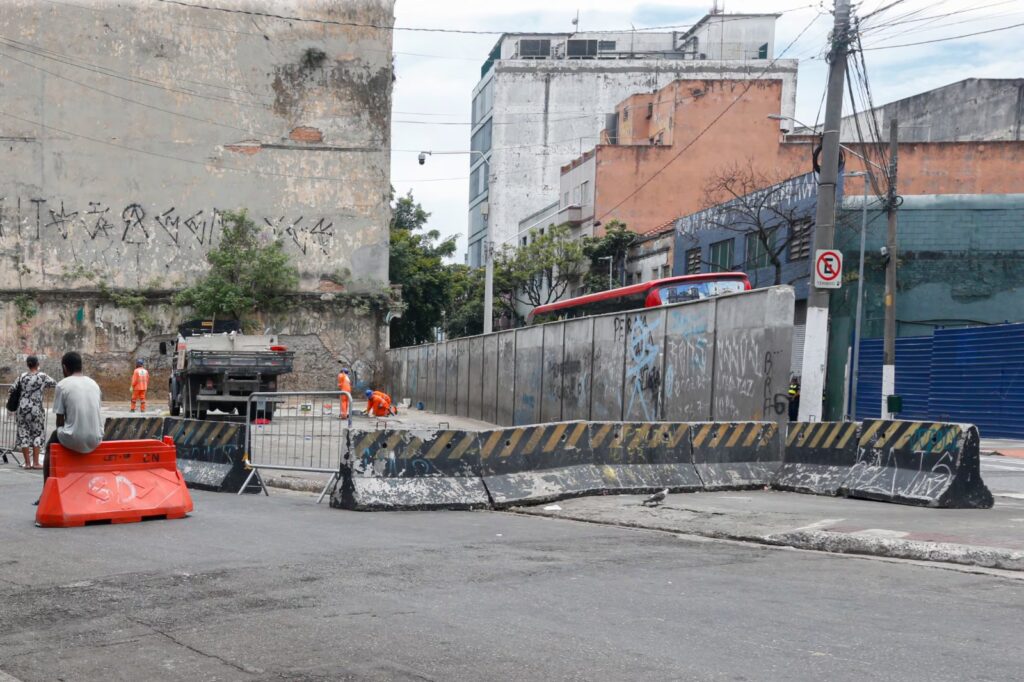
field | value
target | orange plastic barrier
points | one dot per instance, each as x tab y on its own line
119	482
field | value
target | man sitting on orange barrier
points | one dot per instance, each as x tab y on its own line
379	404
76	403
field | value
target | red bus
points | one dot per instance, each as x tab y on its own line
645	295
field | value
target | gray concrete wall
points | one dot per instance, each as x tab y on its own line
192	112
724	359
132	128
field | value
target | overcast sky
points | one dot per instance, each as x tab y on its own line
436	72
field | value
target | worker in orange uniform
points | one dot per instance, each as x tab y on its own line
344	384
140	384
379	403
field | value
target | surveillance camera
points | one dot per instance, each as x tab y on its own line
423	158
884	251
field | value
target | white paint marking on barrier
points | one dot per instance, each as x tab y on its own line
882	533
817	525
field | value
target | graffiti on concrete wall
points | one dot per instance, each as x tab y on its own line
688	361
737	371
643	370
43	220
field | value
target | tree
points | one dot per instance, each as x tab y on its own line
759	206
608	252
417	264
541	270
248	276
465	311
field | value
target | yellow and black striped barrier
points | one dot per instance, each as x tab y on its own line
931	464
736	454
414	469
211	454
641	457
817	457
133	428
530	464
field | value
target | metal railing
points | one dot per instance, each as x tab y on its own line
9	423
296	431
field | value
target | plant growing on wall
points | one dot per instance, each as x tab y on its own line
248	276
26	307
757	205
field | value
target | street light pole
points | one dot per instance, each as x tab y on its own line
610	261
860	293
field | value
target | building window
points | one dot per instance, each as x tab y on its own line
534	49
581	49
721	256
625	113
525	241
565	199
758	255
478	181
481	140
762	52
585	193
606	45
665	271
576	196
800	240
693	261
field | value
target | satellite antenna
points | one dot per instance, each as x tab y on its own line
576	21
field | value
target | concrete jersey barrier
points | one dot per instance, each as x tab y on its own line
407	470
736	455
818	457
542	463
644	457
919	463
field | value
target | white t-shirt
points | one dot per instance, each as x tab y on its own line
78	398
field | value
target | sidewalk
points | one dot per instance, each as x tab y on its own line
991	538
1003	446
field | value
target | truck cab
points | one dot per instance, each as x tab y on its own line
217	367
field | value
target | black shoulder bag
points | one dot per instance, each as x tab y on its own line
14	399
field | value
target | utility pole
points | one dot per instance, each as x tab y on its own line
889	345
488	282
812	379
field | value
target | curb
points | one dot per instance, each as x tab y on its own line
304	485
835	543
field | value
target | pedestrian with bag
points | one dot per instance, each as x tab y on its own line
25	399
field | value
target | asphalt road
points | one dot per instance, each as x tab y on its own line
1003	475
256	588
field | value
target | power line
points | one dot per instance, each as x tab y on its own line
946	39
712	123
420	29
132	101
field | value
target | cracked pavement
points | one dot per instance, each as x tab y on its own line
278	588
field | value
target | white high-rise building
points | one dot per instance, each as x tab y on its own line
543	99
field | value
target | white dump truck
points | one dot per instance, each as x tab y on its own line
216	367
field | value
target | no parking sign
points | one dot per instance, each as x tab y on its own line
828	269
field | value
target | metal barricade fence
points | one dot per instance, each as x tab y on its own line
9	424
298	431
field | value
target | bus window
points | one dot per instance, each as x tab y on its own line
692	291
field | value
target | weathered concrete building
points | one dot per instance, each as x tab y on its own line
655	166
129	129
544	98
